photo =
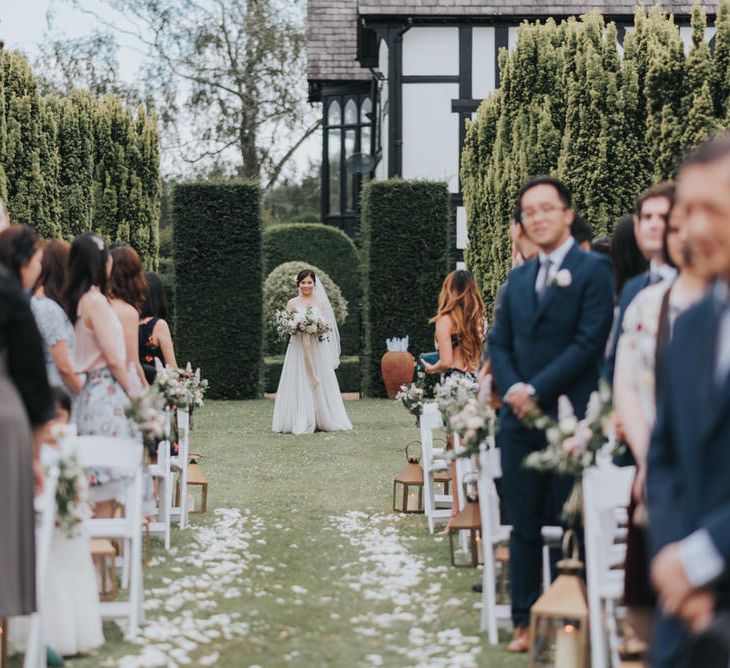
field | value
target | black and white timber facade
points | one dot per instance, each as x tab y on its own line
398	79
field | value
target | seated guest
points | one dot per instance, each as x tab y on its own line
126	293
155	340
688	489
50	316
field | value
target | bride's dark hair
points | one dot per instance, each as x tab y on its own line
304	273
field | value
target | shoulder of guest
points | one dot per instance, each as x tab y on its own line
125	312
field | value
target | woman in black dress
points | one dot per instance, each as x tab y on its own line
155	340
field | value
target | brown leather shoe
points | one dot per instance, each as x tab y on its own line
520	642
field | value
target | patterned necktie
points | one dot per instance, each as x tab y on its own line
545	282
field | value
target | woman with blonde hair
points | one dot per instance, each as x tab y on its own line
459	327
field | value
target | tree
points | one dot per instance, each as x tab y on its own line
230	71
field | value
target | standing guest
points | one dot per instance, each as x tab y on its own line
582	232
21	253
50	316
25	407
155	340
459	327
626	256
127	288
602	246
650	221
99	352
647	329
548	341
688	489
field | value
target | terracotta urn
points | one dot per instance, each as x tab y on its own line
397	369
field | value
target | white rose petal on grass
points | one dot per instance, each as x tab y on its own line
297	589
209	660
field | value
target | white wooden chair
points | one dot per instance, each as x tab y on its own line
464	467
45	506
179	463
494	534
606	495
124	455
436	507
162	471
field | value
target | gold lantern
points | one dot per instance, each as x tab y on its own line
468	519
408	485
559	618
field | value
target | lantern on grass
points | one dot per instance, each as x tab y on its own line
467	553
408	484
559	618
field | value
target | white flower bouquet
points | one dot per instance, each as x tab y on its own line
412	397
311	322
72	495
474	423
453	395
146	411
183	389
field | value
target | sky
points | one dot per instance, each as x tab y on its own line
24	23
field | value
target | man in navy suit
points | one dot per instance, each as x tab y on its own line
548	341
688	472
650	220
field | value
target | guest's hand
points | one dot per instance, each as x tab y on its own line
698	609
669	578
638	491
520	399
37	477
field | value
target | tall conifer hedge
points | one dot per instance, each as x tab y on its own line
217	250
570	105
405	237
76	163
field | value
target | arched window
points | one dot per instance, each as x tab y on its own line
333	114
350	112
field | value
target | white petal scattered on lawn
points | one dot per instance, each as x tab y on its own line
389	575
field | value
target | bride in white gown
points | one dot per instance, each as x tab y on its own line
308	398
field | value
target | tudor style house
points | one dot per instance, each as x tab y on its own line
397	81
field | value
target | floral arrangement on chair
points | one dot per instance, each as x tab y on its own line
72	495
146	411
182	389
452	397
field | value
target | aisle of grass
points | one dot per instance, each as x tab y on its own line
301	598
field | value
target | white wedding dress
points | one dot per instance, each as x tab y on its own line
308	398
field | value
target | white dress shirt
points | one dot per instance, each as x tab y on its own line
556	258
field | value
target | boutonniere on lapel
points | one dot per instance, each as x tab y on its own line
563	278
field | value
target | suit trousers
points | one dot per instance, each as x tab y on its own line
532	499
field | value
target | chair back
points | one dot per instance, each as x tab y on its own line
106	452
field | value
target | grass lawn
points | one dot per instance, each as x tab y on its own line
310	567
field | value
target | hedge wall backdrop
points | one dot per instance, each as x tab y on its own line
217	250
405	240
332	250
77	163
570	105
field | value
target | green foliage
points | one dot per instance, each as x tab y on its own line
281	285
217	249
568	105
405	241
75	163
348	373
332	250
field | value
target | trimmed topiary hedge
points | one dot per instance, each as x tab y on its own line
217	250
348	373
405	241
331	250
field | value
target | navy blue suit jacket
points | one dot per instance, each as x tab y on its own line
631	288
688	474
555	344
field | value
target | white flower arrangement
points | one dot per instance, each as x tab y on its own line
453	395
183	389
412	397
72	495
563	278
146	411
311	322
475	423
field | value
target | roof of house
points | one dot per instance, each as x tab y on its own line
332	24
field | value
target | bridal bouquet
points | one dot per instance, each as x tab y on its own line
574	445
310	322
72	495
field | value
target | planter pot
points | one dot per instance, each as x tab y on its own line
397	369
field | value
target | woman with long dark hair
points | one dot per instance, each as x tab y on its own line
99	352
308	398
459	327
127	288
21	253
155	340
50	316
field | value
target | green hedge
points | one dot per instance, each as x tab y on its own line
217	250
332	250
348	374
405	237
